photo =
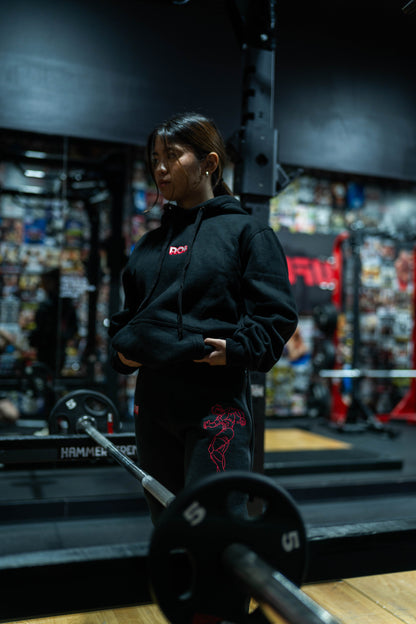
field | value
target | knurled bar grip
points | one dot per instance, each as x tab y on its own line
276	594
149	483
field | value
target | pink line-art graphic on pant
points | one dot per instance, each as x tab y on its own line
225	419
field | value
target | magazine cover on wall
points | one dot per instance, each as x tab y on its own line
386	318
145	207
306	220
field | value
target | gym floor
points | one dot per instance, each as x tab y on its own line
336	478
386	599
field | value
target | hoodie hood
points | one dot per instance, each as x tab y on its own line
223	204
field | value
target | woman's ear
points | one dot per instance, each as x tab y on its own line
211	162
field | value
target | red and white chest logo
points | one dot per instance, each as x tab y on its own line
175	251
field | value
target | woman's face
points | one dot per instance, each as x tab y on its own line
179	175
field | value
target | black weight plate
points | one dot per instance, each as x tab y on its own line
187	578
326	318
71	407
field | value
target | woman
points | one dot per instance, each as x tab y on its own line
207	299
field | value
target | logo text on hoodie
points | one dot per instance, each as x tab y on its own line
174	251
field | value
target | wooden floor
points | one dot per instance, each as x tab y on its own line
386	599
299	440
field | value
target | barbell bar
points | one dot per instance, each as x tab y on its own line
209	555
265	583
194	535
192	542
159	492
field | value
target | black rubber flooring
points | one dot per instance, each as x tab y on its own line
49	509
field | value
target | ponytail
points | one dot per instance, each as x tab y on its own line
219	187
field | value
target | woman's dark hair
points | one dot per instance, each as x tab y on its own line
201	135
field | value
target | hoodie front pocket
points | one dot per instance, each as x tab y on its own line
157	344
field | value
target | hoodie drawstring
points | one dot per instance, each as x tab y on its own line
198	221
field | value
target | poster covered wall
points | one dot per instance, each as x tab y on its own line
315	219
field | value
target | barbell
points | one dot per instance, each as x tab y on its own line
206	563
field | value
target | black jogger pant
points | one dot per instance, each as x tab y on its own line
191	422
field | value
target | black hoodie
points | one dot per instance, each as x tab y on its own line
210	271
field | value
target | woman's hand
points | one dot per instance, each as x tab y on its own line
127	362
218	357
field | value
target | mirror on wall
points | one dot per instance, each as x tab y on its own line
58	258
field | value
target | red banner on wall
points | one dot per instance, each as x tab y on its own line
312	270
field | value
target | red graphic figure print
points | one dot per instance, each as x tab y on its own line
225	420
